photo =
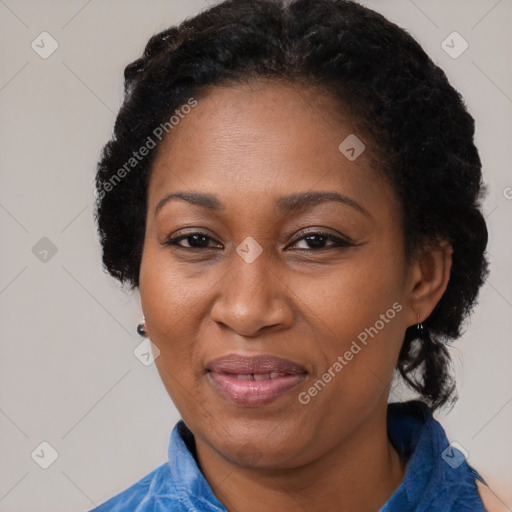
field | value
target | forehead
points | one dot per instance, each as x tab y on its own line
263	139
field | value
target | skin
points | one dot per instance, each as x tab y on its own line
249	145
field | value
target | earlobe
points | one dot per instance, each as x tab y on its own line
430	278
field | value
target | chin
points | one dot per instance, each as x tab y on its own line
269	446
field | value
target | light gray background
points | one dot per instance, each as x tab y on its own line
68	375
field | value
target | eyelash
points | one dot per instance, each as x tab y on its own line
338	241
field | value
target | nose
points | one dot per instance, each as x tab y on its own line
252	298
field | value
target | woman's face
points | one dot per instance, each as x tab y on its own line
280	307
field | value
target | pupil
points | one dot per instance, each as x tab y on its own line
317	241
198	240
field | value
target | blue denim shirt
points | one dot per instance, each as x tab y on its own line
437	477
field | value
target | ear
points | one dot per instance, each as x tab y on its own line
428	279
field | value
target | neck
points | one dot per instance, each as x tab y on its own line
361	473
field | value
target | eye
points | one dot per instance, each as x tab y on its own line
313	240
193	241
317	240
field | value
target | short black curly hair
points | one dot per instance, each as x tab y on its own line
405	103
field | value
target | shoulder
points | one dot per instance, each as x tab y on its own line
144	495
491	502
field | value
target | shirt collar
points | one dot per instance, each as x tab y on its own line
430	483
190	485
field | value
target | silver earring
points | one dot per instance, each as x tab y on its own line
141	328
420	328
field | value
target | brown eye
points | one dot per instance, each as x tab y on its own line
192	241
320	240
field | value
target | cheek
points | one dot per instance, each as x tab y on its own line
171	292
357	317
175	306
353	296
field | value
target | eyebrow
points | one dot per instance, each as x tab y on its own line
301	202
286	204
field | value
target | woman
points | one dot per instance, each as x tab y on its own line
294	189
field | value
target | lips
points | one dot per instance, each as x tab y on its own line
254	381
